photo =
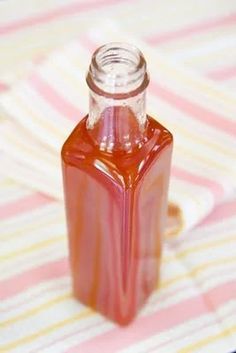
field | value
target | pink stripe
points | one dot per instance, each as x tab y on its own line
190	332
166	37
39	59
222	74
194	110
59	12
144	327
220	212
69	335
89	44
183	174
152	302
23	281
24	204
26	300
3	87
76	332
54	98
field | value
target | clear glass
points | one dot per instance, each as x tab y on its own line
117	70
117	79
116	166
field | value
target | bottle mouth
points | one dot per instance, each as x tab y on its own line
117	70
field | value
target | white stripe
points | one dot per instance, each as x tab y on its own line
10	194
182	74
18	222
21	243
32	125
23	174
186	288
183	125
225	251
223	42
47	110
52	315
217	230
35	297
193	137
179	334
31	261
100	326
37	154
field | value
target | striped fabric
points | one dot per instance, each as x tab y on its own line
194	32
194	310
200	116
191	59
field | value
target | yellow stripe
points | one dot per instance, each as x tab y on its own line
196	346
197	248
46	330
221	53
199	84
33	151
195	271
70	79
178	72
21	41
84	314
177	128
15	51
88	312
227	170
36	310
8	183
35	225
23	11
202	39
77	62
32	248
187	133
29	112
10	195
190	195
13	60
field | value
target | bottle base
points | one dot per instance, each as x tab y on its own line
116	317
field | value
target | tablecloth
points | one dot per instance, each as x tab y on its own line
45	50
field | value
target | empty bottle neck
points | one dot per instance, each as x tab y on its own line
117	79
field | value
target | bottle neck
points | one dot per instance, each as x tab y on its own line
117	125
117	79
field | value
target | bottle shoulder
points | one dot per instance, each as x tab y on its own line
75	142
80	143
125	168
164	136
79	148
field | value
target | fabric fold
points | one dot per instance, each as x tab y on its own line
45	107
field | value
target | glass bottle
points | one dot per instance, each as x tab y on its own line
116	166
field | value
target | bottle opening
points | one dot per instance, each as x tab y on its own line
117	69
